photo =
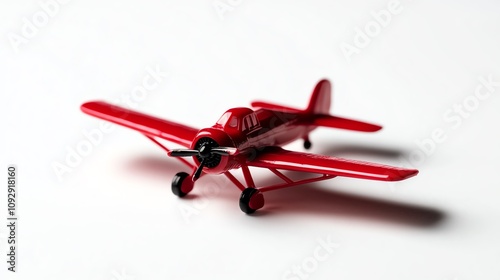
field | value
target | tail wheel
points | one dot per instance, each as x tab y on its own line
307	144
182	184
251	200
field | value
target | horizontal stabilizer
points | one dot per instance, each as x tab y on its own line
274	107
343	123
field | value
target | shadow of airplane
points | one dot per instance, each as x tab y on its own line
157	166
315	200
346	149
311	199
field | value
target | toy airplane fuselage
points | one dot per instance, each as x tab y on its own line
244	138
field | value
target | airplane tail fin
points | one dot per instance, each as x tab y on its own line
317	112
318	104
320	99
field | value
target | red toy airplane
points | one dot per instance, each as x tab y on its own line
243	137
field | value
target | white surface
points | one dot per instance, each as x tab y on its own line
114	217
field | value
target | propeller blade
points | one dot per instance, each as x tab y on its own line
224	151
183	153
197	174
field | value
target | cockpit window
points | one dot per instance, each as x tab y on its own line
250	123
222	121
228	119
242	119
233	122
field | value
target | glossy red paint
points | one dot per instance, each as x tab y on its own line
244	137
145	124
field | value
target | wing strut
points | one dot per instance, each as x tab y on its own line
287	181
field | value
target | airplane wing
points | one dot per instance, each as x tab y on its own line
148	125
278	158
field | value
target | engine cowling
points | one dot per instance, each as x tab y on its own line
211	138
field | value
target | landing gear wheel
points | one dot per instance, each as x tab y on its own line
307	144
182	184
251	200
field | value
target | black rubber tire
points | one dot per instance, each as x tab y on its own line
245	197
177	183
307	144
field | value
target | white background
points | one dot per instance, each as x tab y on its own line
114	216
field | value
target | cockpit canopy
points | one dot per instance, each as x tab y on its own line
243	119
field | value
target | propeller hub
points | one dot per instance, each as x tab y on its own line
205	151
204	147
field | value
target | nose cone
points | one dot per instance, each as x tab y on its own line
205	151
205	140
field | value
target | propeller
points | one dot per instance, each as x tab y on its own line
208	154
